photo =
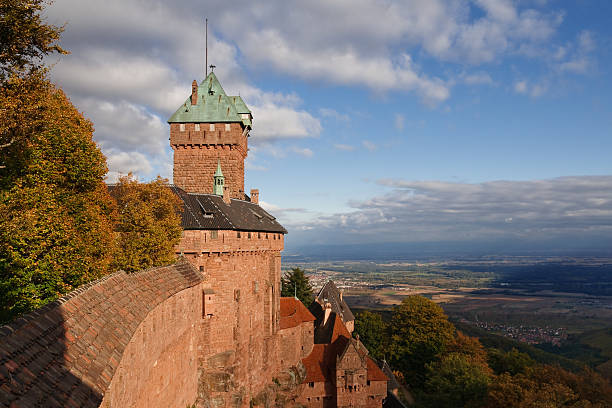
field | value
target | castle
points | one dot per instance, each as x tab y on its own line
211	330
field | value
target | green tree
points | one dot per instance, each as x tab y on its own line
456	381
55	212
149	224
24	37
420	333
512	362
295	282
372	331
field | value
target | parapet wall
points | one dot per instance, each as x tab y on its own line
106	338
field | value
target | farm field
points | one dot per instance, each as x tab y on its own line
561	306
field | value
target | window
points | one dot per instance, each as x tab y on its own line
182	127
214	234
227	127
197	127
368	383
238	234
212	127
311	384
249	235
201	269
206	298
237	295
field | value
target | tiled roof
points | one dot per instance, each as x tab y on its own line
321	362
317	366
374	372
209	211
293	313
330	293
66	353
213	105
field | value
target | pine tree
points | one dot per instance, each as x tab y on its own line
296	283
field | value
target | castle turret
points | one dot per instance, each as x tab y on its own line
219	180
210	128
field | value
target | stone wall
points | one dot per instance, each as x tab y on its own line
238	356
196	154
79	349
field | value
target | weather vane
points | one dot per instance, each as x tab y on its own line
212	67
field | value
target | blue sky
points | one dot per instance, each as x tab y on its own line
374	121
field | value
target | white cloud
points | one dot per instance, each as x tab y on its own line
399	121
278	122
476	78
532	89
303	151
441	211
344	147
369	145
332	113
127	162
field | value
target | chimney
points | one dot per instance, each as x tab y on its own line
194	92
226	195
255	196
327	312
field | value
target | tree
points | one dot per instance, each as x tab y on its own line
456	381
471	348
149	224
55	212
512	362
420	333
24	37
372	331
296	283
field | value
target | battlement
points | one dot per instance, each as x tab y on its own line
187	134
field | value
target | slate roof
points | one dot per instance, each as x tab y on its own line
330	293
393	384
293	313
213	105
67	352
210	212
392	401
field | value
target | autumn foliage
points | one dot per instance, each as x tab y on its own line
149	224
442	367
56	215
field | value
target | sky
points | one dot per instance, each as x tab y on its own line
375	121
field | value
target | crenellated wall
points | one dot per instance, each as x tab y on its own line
196	153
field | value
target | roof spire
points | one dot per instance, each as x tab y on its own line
219	180
206	41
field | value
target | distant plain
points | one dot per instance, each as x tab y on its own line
551	306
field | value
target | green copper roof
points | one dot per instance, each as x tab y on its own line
213	105
218	173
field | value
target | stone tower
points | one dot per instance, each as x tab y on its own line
209	130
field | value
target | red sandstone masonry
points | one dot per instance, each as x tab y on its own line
242	288
196	154
69	352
